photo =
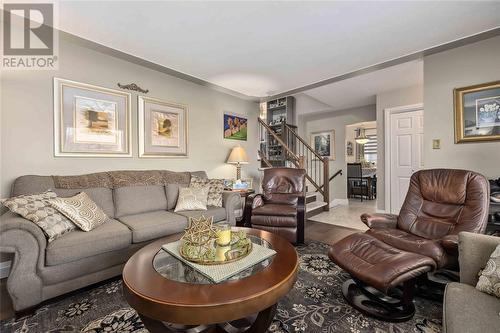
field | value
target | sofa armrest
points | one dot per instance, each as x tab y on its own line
474	251
28	243
380	221
231	201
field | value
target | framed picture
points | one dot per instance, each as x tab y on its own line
228	184
477	112
324	143
163	128
349	148
91	121
235	127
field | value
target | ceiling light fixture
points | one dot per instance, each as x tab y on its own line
361	137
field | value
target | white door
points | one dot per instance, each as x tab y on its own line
406	144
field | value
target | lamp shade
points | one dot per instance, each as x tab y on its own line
238	155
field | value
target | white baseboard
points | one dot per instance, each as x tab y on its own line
339	202
5	269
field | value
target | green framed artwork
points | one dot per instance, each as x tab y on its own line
235	127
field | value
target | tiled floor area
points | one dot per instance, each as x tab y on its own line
347	215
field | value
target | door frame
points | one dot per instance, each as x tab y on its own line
387	146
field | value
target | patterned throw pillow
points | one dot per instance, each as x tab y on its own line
215	190
37	208
191	198
489	279
81	210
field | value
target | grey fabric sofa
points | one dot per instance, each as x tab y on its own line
138	214
466	309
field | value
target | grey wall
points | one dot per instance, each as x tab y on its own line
391	99
337	120
27	119
468	65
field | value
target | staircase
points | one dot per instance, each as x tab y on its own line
281	146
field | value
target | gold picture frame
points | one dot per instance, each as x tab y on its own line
91	121
163	128
477	112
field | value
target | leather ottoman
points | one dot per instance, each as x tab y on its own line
383	277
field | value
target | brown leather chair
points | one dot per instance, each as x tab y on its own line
281	207
424	236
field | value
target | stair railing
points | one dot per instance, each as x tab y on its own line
298	154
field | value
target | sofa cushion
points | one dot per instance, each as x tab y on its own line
37	208
218	213
103	197
466	309
81	210
131	200
215	189
152	225
172	191
489	280
191	198
110	236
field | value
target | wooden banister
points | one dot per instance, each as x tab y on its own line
277	138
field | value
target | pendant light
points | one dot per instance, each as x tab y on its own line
361	137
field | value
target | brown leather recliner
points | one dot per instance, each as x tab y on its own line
424	236
281	207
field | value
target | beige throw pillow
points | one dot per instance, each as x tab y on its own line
489	279
81	210
37	208
191	198
215	189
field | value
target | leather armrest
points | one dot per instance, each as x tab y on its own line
380	221
450	244
251	202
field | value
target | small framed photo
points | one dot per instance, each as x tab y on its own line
228	184
91	121
324	143
242	184
235	127
477	113
163	128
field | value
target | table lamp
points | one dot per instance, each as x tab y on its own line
238	156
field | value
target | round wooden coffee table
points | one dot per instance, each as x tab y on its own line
170	296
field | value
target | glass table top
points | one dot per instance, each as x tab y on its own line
174	269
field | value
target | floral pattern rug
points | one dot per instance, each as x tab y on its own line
315	305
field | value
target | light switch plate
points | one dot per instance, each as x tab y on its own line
436	144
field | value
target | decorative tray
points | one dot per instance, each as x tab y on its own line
213	254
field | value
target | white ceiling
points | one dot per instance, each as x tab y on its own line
362	90
264	48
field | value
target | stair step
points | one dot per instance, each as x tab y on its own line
311	197
314	208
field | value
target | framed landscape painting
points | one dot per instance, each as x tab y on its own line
91	121
324	143
477	113
162	128
235	127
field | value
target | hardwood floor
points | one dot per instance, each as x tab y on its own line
326	233
317	231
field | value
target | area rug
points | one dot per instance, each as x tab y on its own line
315	305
